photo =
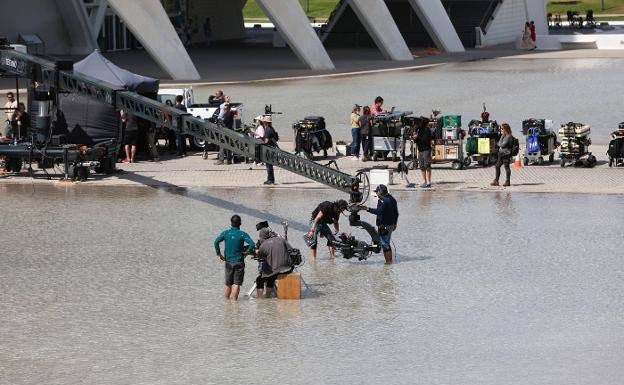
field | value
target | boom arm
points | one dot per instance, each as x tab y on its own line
47	73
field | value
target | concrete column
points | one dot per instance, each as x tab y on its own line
436	21
96	19
150	24
290	20
536	10
76	22
378	21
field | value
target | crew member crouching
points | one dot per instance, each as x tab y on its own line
325	213
273	258
387	217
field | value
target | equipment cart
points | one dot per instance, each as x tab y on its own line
448	142
541	141
616	147
481	143
575	144
311	136
386	134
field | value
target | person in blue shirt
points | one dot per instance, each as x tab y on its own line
235	241
387	213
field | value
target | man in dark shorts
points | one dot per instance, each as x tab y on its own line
234	259
325	214
423	144
131	135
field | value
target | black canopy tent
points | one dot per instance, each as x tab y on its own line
91	122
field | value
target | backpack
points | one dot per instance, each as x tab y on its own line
515	146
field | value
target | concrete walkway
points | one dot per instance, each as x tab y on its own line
193	172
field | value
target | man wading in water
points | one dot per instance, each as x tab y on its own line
234	259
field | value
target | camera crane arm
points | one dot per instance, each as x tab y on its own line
48	73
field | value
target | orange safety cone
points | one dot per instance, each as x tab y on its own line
518	162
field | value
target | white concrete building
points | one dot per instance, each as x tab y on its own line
77	27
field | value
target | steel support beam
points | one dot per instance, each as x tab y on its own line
434	18
290	20
150	24
378	21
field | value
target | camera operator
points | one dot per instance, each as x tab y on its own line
325	213
387	216
273	259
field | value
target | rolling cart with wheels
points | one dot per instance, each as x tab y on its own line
311	136
386	134
575	144
450	147
481	143
616	147
541	141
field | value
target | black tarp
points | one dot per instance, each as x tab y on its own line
88	121
91	122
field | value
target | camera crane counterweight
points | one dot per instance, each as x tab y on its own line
54	75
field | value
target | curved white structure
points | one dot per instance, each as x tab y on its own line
67	28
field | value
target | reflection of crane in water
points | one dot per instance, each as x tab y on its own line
57	80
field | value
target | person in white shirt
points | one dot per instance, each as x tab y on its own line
222	108
9	109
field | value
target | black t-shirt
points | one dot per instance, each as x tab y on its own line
228	119
329	214
423	139
271	135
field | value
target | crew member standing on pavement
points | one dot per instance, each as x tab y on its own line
228	121
387	213
9	109
326	213
355	132
234	258
423	139
180	139
505	145
270	139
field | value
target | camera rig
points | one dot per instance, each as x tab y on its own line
351	247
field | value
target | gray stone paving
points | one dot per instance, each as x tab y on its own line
193	171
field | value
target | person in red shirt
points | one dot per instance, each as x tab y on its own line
376	109
533	34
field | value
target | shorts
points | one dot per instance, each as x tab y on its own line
234	273
324	230
268	282
424	160
384	240
131	138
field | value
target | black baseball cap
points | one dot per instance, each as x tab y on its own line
382	188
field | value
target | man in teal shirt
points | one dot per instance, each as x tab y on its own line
235	251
